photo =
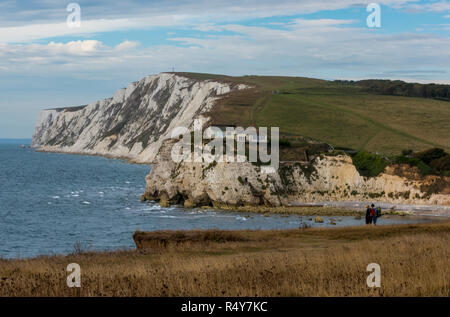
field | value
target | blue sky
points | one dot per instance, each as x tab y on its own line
44	63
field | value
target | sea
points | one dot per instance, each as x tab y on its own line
52	204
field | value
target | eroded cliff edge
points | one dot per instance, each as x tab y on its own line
326	178
132	124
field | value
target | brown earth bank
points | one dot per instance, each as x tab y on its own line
299	262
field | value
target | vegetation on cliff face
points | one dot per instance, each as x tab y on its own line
369	164
434	161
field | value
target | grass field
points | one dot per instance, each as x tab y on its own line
301	262
385	124
342	116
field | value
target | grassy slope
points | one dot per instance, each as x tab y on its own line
339	115
306	262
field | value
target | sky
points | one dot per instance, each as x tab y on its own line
47	60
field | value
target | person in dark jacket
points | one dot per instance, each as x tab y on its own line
368	215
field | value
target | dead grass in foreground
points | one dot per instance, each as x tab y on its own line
414	261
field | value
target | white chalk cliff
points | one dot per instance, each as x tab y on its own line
132	124
326	178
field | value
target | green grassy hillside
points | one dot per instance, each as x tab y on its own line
341	115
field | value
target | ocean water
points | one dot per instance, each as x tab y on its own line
49	203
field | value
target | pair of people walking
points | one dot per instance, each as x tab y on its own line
372	214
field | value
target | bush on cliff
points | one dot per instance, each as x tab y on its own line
430	162
369	164
430	155
424	169
441	164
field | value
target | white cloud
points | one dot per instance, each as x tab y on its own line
126	45
26	33
440	6
315	48
55	10
48	19
83	56
75	47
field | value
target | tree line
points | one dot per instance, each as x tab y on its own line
401	88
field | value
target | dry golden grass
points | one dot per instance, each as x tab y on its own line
414	261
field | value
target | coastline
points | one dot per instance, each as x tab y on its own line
108	156
330	208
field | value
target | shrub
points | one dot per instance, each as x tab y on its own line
433	161
442	164
430	155
369	164
424	169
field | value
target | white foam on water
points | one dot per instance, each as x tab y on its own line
223	216
165	216
75	195
56	197
86	203
148	209
241	218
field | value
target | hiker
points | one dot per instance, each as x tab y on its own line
373	214
377	215
368	215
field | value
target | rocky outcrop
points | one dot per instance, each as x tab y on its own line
134	122
326	178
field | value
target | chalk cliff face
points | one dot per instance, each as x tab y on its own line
134	122
326	178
